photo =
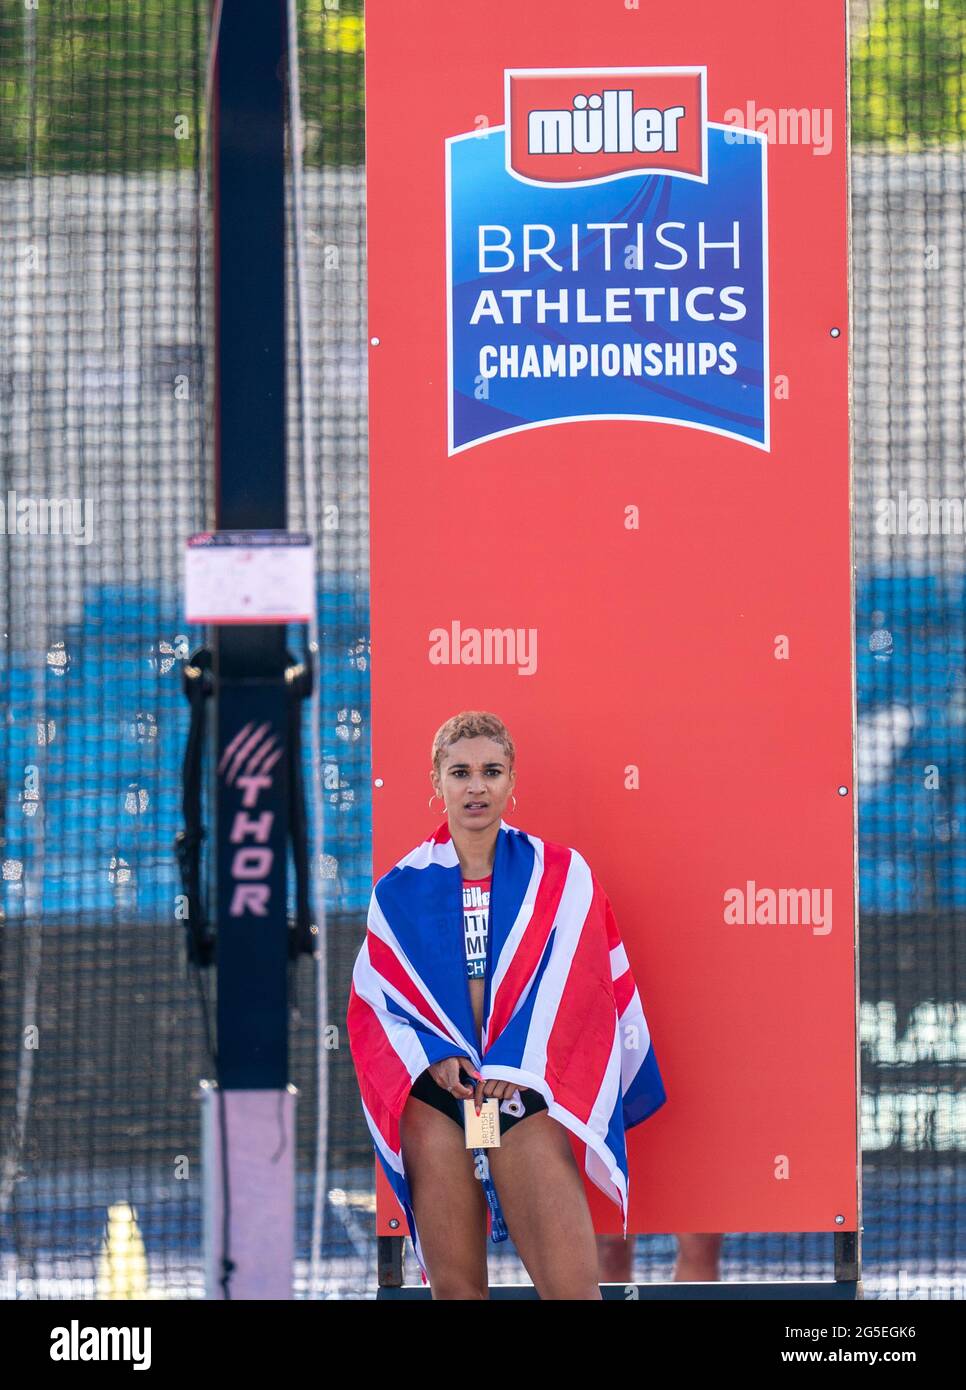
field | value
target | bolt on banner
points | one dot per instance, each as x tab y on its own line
607	259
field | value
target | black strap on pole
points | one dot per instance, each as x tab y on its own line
196	677
302	940
200	933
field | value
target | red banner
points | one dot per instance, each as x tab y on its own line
610	502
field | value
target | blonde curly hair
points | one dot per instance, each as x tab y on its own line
472	723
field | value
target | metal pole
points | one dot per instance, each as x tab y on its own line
250	1134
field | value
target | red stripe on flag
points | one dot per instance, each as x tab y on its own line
624	991
382	1076
386	963
526	958
582	1036
613	934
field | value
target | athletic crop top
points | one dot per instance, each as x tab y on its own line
476	915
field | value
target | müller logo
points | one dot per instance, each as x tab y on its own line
589	125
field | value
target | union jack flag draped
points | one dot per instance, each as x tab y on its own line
561	1012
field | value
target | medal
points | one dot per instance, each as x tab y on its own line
482	1130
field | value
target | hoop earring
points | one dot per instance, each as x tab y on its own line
514	800
433	798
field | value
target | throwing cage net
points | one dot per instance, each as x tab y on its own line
105	452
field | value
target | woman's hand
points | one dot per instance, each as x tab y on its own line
499	1090
447	1075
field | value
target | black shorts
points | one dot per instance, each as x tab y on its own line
425	1088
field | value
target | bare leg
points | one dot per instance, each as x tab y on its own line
697	1261
543	1199
448	1202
